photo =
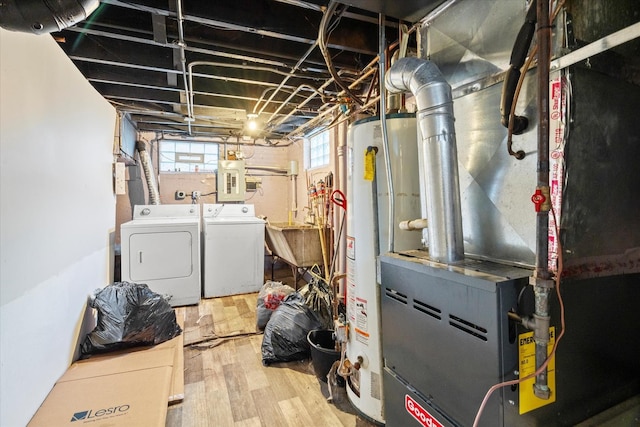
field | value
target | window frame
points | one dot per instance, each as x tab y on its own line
317	150
205	156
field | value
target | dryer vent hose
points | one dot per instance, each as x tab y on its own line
150	176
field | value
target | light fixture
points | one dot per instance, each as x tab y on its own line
252	123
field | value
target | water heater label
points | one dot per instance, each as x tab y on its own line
362	321
527	363
351	283
419	413
351	247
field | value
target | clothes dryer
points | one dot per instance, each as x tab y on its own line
233	249
161	248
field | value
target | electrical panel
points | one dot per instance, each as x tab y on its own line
231	181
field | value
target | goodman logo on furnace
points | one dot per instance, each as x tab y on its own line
92	414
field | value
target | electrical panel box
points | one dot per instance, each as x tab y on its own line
231	181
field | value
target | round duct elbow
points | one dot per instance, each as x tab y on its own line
43	16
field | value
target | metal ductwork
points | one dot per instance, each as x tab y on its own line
438	158
43	16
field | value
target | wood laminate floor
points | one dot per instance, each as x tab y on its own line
227	385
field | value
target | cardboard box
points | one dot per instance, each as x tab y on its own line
117	389
176	394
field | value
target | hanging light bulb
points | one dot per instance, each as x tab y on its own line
252	123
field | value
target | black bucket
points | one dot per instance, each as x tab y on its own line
323	352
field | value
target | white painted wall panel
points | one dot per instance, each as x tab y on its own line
57	215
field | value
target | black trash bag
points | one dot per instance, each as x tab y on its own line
319	298
269	298
129	315
285	337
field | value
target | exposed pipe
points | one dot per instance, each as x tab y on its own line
341	184
439	159
294	191
414	224
41	17
294	93
149	175
276	169
287	77
314	121
183	62
385	136
367	71
322	43
542	278
394	100
241	67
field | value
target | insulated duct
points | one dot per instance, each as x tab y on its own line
43	16
439	158
149	175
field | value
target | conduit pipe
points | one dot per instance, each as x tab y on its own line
183	62
286	79
385	139
315	120
439	158
240	67
367	71
293	173
293	94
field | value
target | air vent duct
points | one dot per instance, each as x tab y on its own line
43	16
439	158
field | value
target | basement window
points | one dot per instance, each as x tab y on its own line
187	156
316	151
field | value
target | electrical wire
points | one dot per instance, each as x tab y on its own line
326	27
516	94
555	344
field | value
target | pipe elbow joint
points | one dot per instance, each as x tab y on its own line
409	74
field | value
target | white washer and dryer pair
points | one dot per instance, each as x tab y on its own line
160	247
233	249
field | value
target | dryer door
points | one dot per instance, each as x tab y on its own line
165	255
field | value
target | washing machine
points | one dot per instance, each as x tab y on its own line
233	249
161	248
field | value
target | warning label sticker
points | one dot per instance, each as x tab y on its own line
351	247
351	290
527	364
362	321
351	279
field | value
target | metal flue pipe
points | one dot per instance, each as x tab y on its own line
439	158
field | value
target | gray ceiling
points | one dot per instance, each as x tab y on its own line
239	57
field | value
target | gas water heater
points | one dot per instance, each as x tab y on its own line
367	236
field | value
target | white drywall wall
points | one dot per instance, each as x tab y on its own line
57	215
